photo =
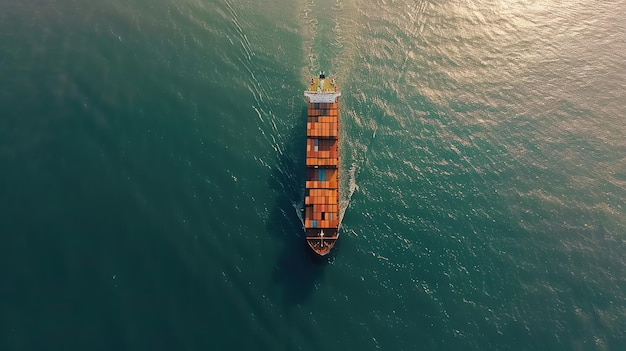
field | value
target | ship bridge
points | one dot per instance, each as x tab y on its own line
322	90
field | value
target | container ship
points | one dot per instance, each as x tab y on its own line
321	202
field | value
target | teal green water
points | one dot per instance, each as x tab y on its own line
152	172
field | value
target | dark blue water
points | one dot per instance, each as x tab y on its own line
152	173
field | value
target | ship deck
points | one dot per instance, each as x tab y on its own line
321	211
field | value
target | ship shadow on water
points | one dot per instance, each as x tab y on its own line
297	268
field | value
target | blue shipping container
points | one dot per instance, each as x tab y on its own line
321	175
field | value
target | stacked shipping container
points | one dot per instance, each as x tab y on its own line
322	156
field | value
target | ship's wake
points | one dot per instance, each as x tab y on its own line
330	29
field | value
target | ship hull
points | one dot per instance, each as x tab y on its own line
321	205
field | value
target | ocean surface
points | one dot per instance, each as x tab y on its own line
152	175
